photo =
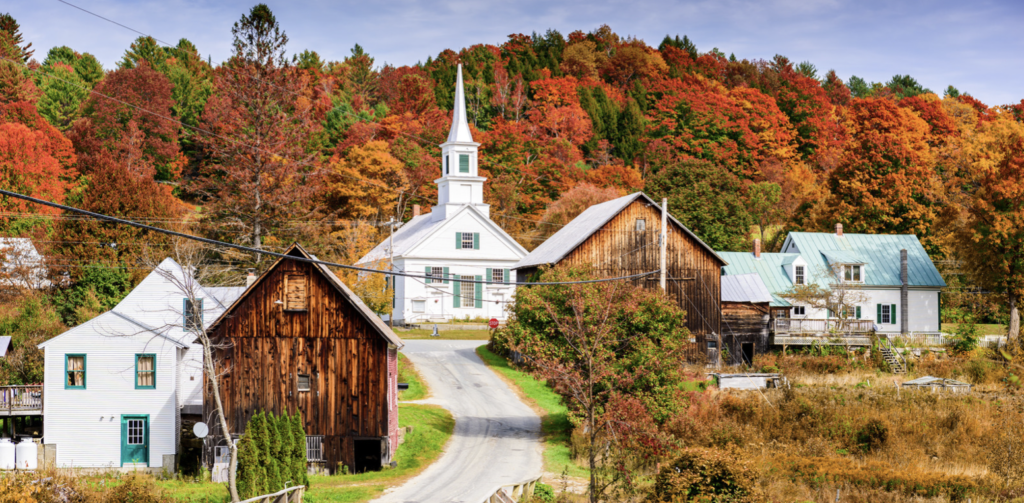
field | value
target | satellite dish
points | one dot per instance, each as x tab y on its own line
201	430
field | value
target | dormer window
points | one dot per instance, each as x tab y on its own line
852	273
798	275
641	225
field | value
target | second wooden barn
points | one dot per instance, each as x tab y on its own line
745	318
299	340
621	238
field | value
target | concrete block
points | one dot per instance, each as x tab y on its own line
170	464
49	455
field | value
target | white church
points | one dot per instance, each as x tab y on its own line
453	245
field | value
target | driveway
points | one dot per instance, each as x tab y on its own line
497	437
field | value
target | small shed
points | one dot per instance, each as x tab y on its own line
748	381
938	384
746	314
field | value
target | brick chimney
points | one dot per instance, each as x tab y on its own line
250	279
415	210
757	248
839	230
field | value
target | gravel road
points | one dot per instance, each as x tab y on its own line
496	439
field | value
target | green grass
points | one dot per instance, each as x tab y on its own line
462	335
407	373
554	423
982	329
432	427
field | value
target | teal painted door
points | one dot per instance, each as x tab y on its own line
134	439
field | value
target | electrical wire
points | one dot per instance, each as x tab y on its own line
214	242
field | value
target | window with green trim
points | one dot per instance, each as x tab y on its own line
463	163
74	370
145	371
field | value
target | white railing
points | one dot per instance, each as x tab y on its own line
21	398
806	326
290	495
521	491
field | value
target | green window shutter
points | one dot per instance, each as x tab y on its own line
489	275
446	275
479	293
426	275
476	240
878	318
458	240
858	312
892	313
457	293
505	277
463	163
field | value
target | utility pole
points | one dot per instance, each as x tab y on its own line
663	239
391	224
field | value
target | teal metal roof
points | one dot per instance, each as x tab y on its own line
880	253
843	257
769	267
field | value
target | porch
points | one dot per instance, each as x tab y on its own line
829	332
21	400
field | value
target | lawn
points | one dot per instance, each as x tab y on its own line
554	422
408	374
463	335
950	328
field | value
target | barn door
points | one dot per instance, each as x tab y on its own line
713	353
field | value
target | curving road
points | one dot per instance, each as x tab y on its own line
497	437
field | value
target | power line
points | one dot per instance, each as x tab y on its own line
214	242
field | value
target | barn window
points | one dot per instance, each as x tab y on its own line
303	382
798	273
712	344
295	292
641	224
145	371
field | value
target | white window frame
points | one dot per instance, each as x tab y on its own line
467	291
436	275
497	275
853	273
799	310
641	224
422	306
886	315
798	275
466	241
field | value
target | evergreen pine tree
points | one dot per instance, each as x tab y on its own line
258	429
284	428
248	464
630	131
274	480
62	95
299	451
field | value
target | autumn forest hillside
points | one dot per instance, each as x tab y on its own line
276	145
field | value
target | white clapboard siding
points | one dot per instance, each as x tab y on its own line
85	424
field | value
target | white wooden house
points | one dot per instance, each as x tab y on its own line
895	285
115	387
453	245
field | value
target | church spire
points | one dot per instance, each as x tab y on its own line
460	127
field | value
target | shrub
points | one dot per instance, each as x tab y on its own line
873	435
136	488
543	493
273	446
965	336
907	480
299	474
705	475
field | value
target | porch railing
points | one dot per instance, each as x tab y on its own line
315	448
806	326
21	398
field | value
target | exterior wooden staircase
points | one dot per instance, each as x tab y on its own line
897	364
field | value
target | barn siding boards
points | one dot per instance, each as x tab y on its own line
265	346
694	271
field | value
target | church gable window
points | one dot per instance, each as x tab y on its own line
463	163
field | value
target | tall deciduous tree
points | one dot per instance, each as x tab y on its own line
991	216
367	183
262	121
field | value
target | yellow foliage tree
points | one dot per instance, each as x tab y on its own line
366	183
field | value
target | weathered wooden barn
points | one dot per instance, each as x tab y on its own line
621	238
746	316
299	340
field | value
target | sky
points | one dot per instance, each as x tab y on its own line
976	46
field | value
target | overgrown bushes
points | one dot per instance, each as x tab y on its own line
271	455
706	475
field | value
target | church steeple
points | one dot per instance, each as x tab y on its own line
460	183
460	125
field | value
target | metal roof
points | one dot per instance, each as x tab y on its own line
5	344
769	268
405	238
573	234
934	381
745	288
843	257
880	252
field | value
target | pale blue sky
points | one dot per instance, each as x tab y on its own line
977	46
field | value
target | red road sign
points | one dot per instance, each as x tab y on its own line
493	323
